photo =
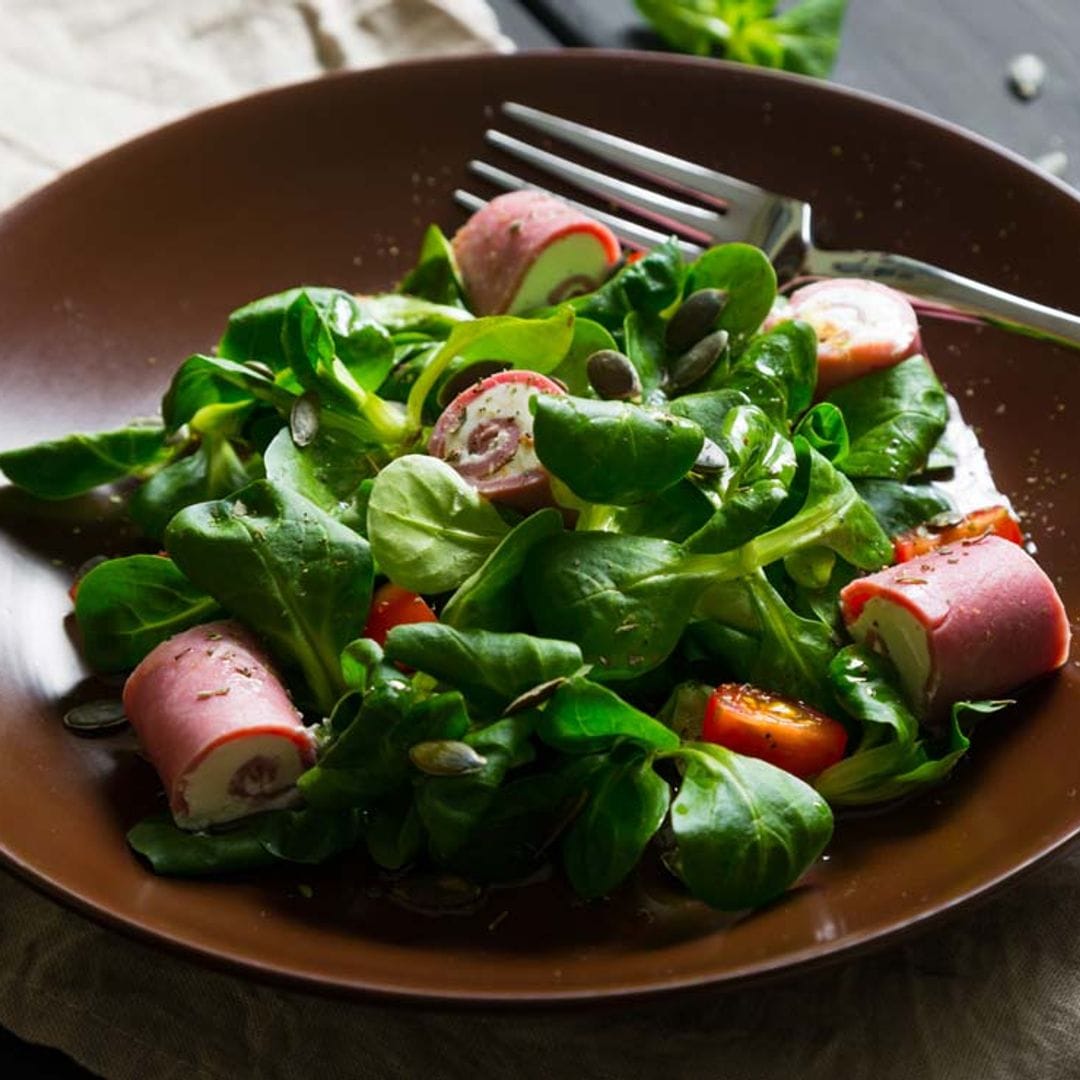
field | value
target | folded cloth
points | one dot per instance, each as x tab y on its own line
992	995
79	76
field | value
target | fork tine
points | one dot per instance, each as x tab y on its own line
629	232
635	156
698	222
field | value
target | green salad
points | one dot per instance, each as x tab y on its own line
695	519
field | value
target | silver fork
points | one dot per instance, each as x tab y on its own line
731	209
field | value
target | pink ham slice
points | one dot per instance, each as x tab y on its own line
217	724
973	620
486	434
498	246
861	326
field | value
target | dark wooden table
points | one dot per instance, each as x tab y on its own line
947	57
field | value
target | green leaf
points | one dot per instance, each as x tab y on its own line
63	468
287	570
894	417
899	507
213	471
328	472
537	344
452	806
126	607
584	718
491	598
257	331
435	276
648	286
627	806
589	337
612	451
494	668
746	275
778	371
430	529
395	833
745	830
824	429
298	836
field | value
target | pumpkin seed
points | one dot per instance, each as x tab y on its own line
613	376
699	360
712	458
304	419
530	699
436	894
446	757
95	716
695	318
260	368
945	520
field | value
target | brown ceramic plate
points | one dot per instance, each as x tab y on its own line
112	275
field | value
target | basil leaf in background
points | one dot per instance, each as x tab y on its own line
450	807
894	417
538	345
298	836
257	332
745	829
493	668
287	570
746	275
435	276
627	805
804	38
824	429
328	472
778	371
491	598
899	506
126	607
429	528
583	718
611	451
66	467
648	286
213	471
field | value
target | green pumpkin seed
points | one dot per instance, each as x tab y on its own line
695	318
698	361
304	419
446	757
613	376
530	699
95	716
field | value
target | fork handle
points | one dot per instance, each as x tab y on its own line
962	294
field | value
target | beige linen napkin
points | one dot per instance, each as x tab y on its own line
993	995
79	76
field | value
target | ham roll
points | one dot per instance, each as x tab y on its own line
486	434
971	620
860	325
527	250
217	724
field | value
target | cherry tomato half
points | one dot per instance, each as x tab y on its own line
924	539
782	732
394	606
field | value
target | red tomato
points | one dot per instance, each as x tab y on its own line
394	606
924	539
782	732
